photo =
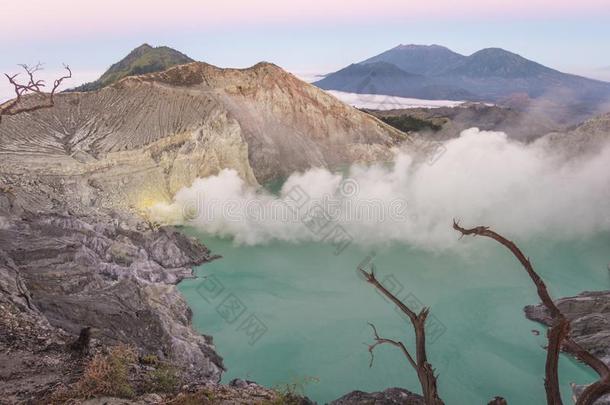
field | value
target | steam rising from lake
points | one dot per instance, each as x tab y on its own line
482	178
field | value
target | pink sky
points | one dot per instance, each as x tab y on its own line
62	18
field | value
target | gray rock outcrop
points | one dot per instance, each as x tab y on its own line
589	315
583	140
391	396
60	273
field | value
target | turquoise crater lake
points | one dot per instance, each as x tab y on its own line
282	313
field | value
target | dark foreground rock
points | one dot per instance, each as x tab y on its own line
207	394
391	396
60	273
589	314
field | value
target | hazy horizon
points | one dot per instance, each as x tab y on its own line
50	72
306	39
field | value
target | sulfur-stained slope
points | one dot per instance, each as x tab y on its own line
145	137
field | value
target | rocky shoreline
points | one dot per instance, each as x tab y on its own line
589	314
60	273
113	277
63	270
77	255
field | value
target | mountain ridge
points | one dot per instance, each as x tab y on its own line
141	60
488	75
500	62
418	59
190	121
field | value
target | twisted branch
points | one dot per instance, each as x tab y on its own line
32	86
425	372
558	334
380	340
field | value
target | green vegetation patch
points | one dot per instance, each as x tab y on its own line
407	123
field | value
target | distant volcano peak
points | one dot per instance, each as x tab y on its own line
141	60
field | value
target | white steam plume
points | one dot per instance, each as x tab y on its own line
482	178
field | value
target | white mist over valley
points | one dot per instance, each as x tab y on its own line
384	102
482	178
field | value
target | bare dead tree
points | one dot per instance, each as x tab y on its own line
424	370
558	334
31	87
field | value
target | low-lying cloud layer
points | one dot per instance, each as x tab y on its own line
483	178
383	102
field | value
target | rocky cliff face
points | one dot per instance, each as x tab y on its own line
60	273
74	253
142	139
584	139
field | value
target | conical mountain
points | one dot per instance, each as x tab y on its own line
143	59
419	59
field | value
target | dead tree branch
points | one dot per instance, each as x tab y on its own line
32	86
425	372
558	334
380	340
